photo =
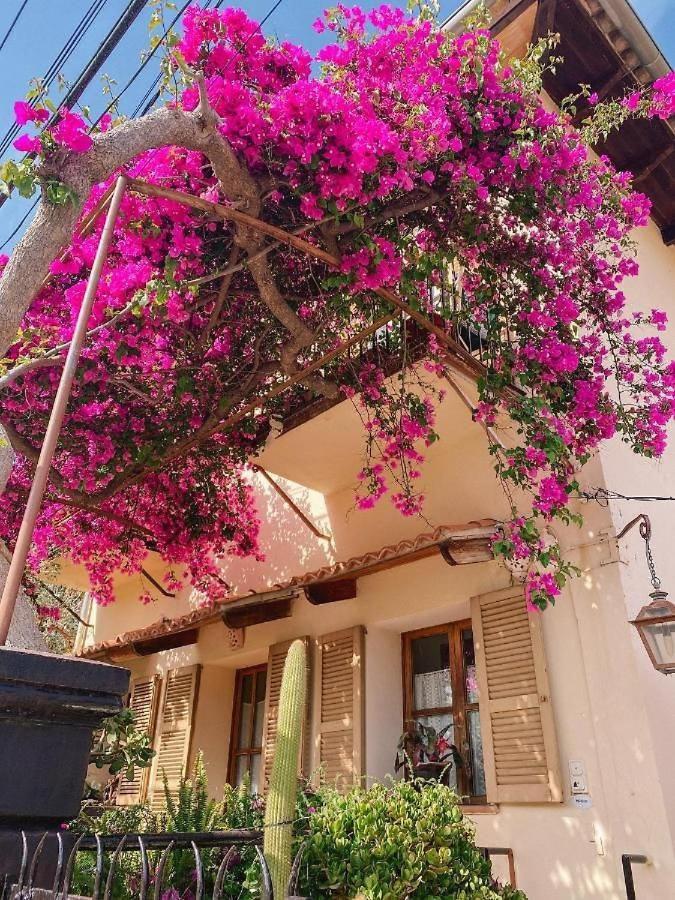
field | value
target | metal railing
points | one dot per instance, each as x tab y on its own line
627	861
47	862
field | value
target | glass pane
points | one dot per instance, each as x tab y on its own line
476	750
256	787
431	672
240	770
469	662
447	767
246	710
259	708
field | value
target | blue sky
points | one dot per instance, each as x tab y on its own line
45	25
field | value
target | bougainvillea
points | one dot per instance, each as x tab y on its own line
427	167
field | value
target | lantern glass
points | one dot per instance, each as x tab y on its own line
656	624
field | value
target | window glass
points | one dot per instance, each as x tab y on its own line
476	750
432	688
469	665
248	717
245	711
260	686
441	664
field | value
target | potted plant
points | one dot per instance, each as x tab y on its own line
426	753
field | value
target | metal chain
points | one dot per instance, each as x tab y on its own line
646	532
656	581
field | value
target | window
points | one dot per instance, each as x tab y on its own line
440	689
247	727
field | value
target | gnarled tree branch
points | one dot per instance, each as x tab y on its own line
52	227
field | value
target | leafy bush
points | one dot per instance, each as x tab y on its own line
190	810
401	840
121	746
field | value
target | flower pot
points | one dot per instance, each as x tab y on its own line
432	771
49	708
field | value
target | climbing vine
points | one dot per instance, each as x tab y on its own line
422	166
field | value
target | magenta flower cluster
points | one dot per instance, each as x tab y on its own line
425	163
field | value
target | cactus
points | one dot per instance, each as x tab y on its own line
283	786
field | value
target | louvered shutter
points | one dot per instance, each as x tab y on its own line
175	728
338	707
143	703
519	744
275	668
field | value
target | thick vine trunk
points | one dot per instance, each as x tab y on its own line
52	227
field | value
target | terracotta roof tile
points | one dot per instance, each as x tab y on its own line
483	528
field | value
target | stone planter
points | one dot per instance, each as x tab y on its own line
49	708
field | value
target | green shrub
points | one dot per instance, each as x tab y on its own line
190	810
394	841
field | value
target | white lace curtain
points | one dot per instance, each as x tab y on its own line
432	689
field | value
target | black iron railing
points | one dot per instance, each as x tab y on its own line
627	861
46	864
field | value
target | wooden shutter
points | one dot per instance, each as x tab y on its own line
275	669
519	744
338	708
175	727
143	703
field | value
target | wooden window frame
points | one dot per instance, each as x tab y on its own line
460	707
249	750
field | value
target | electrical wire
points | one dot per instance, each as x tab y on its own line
152	101
603	496
19	226
142	66
155	97
60	60
13	23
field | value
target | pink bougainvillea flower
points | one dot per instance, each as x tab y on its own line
71	132
24	113
28	144
663	97
388	117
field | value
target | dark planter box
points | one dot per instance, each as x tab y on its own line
49	709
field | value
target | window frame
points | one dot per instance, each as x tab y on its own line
248	750
460	707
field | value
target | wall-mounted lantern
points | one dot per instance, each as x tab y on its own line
656	621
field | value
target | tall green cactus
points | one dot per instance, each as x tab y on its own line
283	786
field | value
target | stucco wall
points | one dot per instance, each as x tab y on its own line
560	851
634	476
612	711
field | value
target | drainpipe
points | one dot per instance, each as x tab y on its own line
622	15
456	20
631	26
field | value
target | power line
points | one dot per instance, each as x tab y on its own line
155	82
13	23
60	60
109	43
155	97
18	227
603	495
147	59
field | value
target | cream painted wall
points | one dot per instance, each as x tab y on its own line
288	546
628	474
611	709
560	851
